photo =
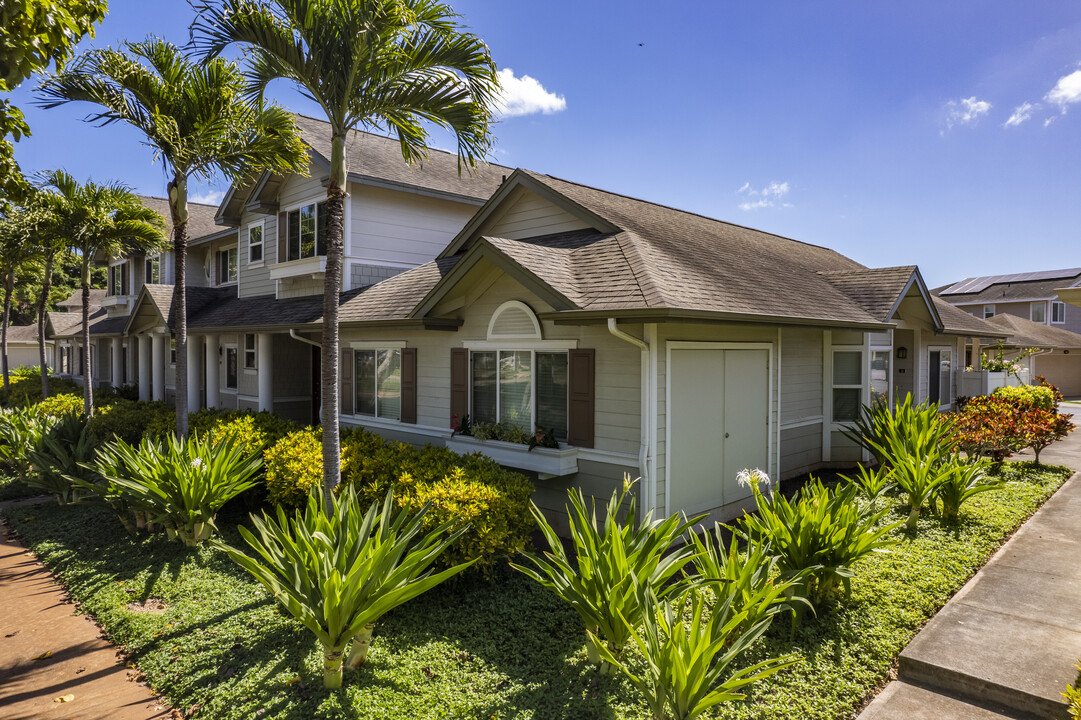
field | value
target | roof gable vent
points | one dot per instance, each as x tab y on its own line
514	320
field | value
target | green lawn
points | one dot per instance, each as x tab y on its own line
483	649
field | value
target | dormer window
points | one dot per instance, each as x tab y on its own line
255	244
307	227
226	266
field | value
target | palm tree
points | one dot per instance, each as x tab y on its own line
101	221
199	123
391	64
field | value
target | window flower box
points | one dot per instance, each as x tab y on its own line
546	462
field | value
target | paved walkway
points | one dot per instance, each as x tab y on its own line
1005	646
37	617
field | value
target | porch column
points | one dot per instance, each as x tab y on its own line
264	350
211	371
195	355
144	368
118	365
977	355
158	351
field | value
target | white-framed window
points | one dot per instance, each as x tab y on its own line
1037	312
231	369
172	352
307	231
377	383
940	376
525	388
847	384
988	311
249	351
118	279
255	243
226	266
1058	312
880	375
153	270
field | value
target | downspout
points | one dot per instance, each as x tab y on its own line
649	491
293	334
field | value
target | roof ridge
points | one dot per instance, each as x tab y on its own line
866	270
683	212
628	237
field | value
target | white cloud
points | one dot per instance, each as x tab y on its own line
525	96
771	195
210	197
965	111
1020	114
1067	91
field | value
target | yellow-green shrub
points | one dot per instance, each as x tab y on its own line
132	421
274	427
58	406
1035	397
1073	698
294	465
25	388
240	430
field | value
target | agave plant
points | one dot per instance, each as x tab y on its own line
871	484
907	429
60	458
690	655
339	569
960	480
181	483
749	580
611	560
20	430
820	534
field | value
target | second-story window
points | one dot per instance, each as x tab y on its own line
153	270
118	279
1058	312
226	265
1037	312
255	244
307	231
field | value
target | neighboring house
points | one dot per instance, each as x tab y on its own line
23	350
1037	299
653	342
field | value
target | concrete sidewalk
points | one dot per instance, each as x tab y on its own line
81	668
1005	646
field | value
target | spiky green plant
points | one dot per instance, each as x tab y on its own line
339	569
181	483
872	484
690	655
610	561
751	578
820	534
907	428
20	431
60	457
960	480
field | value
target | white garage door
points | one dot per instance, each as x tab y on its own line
718	423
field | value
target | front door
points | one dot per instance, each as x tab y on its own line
718	414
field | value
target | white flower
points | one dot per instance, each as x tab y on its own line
752	478
197	463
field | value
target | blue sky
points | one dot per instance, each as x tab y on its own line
882	130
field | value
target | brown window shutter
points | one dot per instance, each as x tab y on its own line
409	385
459	384
347	382
580	410
283	237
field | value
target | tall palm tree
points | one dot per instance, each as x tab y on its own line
199	122
101	221
391	64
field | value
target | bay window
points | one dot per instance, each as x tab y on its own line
307	228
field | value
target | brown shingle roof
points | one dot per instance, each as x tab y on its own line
380	158
1005	288
198	298
959	322
200	217
395	297
23	333
75	300
876	290
70	324
1025	333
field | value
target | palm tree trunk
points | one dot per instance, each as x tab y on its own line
332	287
9	281
43	304
88	380
178	206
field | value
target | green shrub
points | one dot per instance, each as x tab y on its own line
25	388
60	456
1073	698
181	483
1036	397
242	431
820	534
58	406
132	421
613	567
960	480
294	465
20	431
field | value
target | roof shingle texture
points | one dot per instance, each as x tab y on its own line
876	290
1025	333
200	217
380	158
75	300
